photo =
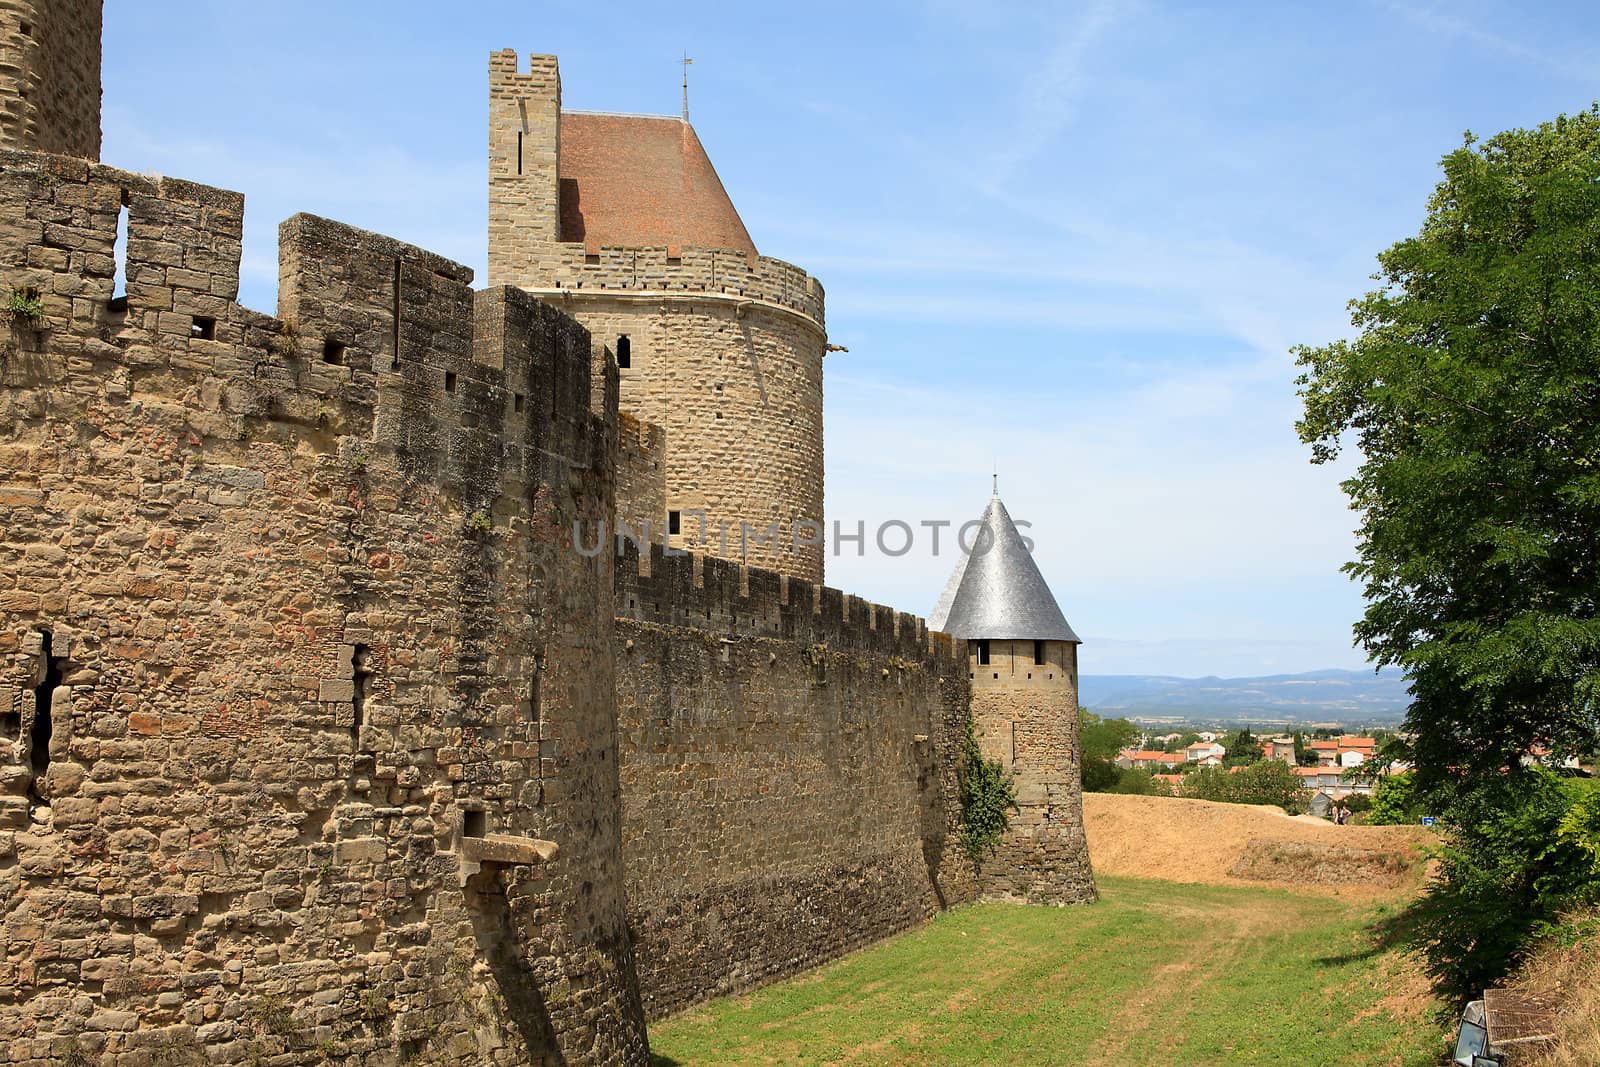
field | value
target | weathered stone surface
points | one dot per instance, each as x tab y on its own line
1025	709
50	91
789	774
725	347
279	653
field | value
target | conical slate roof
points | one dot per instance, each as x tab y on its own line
999	594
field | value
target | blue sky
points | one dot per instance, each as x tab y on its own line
1074	241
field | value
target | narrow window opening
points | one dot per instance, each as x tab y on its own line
519	151
474	823
535	700
333	352
204	328
27	29
1038	652
360	674
449	381
395	324
624	352
119	256
43	699
983	654
518	402
674	522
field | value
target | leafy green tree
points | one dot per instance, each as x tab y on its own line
1304	754
1242	748
1393	801
1518	853
1265	782
1473	393
1099	741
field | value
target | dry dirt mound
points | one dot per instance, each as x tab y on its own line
1242	844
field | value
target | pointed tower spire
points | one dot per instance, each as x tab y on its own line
997	591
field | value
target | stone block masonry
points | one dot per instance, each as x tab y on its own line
289	620
50	76
724	347
789	774
1025	714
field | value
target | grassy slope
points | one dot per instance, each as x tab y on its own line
1157	973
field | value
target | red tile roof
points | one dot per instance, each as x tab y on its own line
642	180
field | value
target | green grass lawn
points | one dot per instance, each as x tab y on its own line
1155	973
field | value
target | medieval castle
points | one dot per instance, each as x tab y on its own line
322	741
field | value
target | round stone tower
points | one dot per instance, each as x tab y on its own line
50	76
1024	666
622	222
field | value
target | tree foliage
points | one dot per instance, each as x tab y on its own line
1099	741
1267	782
1242	748
1519	851
1473	393
1394	801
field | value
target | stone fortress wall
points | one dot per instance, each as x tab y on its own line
325	735
789	762
307	728
725	348
50	76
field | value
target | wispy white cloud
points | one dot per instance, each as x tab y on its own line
1049	97
1550	60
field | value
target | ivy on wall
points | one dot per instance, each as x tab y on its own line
987	795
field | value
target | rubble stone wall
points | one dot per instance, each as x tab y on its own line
789	774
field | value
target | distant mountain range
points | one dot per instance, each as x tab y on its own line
1331	696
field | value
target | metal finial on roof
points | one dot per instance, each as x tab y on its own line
997	591
686	62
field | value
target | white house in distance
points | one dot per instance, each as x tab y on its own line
1205	753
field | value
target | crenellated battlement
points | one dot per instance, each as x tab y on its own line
303	583
688	589
376	340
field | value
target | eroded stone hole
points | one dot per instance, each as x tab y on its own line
43	699
333	352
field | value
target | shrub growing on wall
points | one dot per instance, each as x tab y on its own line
987	796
